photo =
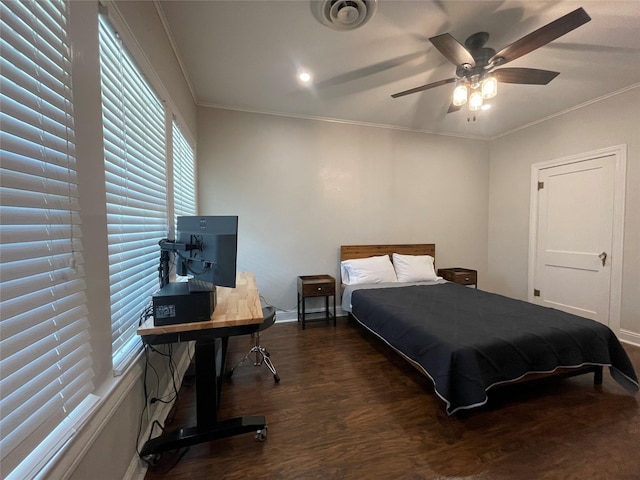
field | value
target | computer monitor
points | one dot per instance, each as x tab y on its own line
211	255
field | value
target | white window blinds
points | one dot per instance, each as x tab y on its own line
184	175
44	352
136	187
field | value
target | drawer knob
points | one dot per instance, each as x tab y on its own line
319	288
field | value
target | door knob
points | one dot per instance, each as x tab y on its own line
603	257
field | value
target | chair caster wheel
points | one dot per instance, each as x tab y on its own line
261	435
152	459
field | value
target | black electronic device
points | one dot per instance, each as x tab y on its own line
175	303
205	250
213	256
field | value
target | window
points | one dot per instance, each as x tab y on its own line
184	176
136	187
44	351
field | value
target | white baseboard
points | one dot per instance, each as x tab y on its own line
630	337
292	315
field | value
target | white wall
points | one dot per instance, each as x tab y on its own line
609	122
145	33
105	447
302	188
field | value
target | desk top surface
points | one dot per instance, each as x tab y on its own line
234	307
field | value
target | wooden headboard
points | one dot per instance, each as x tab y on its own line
350	252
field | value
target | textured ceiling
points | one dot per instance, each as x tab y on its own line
245	55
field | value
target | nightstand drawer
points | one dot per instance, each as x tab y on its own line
463	276
316	285
318	289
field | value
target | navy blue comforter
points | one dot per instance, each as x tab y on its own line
468	340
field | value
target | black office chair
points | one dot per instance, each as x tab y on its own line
262	355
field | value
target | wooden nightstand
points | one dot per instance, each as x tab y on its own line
316	286
463	276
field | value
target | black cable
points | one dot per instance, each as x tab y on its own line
151	401
146	401
172	368
264	301
182	454
206	265
146	313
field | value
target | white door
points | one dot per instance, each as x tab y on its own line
574	237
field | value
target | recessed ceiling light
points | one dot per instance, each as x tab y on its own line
304	77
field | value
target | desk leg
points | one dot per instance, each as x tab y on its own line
334	310
209	362
304	309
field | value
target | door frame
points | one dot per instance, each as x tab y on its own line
619	154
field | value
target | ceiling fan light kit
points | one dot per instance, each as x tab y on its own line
460	94
476	80
475	101
489	87
480	90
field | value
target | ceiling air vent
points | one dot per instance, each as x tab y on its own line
343	14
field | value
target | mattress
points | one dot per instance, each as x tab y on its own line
468	341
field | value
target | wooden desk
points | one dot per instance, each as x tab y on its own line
238	312
236	307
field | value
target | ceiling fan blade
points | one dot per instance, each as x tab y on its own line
453	50
526	76
540	37
424	87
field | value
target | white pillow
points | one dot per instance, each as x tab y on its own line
414	268
367	270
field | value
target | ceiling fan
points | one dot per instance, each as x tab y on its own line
476	73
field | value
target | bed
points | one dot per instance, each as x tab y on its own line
468	341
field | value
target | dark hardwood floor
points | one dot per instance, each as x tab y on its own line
348	407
